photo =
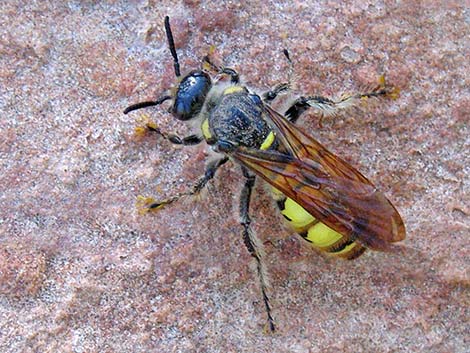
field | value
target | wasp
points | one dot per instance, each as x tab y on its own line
323	198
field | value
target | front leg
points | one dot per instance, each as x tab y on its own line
251	241
190	140
147	125
210	66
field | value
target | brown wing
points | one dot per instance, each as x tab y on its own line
327	187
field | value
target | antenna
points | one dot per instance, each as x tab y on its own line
171	44
146	104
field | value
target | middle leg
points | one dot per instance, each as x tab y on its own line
147	204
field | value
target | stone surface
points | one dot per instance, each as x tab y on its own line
82	271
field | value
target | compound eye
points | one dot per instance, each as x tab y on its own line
191	94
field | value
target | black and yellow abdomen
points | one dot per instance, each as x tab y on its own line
308	227
318	234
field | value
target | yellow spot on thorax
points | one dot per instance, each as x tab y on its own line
233	89
205	129
268	141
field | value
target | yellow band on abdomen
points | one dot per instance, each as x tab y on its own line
318	234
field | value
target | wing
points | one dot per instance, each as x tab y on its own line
327	187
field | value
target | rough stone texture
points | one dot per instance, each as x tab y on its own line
82	271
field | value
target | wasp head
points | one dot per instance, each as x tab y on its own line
191	94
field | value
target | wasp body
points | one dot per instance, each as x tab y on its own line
323	198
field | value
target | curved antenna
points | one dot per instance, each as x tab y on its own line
146	104
171	44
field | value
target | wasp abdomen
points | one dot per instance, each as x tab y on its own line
318	234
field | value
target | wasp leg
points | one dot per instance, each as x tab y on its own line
234	77
190	140
330	107
207	63
272	94
147	204
148	125
252	243
269	96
